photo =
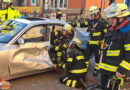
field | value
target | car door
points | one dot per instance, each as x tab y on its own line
33	54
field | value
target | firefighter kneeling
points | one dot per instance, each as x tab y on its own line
75	67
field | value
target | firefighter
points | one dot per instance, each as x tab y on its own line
58	14
97	29
8	12
55	41
115	62
55	37
66	37
75	66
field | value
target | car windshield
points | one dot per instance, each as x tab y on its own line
9	29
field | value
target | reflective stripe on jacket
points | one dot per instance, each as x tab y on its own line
116	53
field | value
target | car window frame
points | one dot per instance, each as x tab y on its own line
29	27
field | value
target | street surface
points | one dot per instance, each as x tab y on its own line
43	81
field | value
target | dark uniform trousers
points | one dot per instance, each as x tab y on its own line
106	85
72	81
90	50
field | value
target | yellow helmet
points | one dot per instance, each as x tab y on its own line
124	10
6	1
93	10
67	27
76	41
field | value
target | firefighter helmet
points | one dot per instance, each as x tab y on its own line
67	27
93	10
112	11
76	41
7	1
124	10
119	10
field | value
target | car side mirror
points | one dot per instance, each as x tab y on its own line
21	41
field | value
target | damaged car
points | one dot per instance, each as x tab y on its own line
25	45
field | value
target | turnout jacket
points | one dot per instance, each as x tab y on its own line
64	42
116	53
9	13
75	63
96	28
59	15
55	37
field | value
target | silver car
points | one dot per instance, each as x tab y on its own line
24	46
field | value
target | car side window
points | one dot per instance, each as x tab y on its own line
35	34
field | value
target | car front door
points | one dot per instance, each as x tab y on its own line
33	53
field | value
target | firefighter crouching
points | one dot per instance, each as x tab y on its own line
66	37
55	36
55	41
8	12
75	66
97	29
115	63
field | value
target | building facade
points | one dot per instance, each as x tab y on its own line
71	7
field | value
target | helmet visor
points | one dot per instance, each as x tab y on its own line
112	11
93	12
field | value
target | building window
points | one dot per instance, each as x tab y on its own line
51	3
59	4
63	3
54	3
20	2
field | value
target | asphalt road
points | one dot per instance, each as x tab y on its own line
43	81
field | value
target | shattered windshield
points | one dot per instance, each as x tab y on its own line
10	29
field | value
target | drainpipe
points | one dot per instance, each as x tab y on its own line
81	12
101	6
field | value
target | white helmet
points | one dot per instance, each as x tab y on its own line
76	41
6	1
68	28
119	10
93	10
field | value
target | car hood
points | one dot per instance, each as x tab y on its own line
3	46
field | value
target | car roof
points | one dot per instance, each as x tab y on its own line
39	21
